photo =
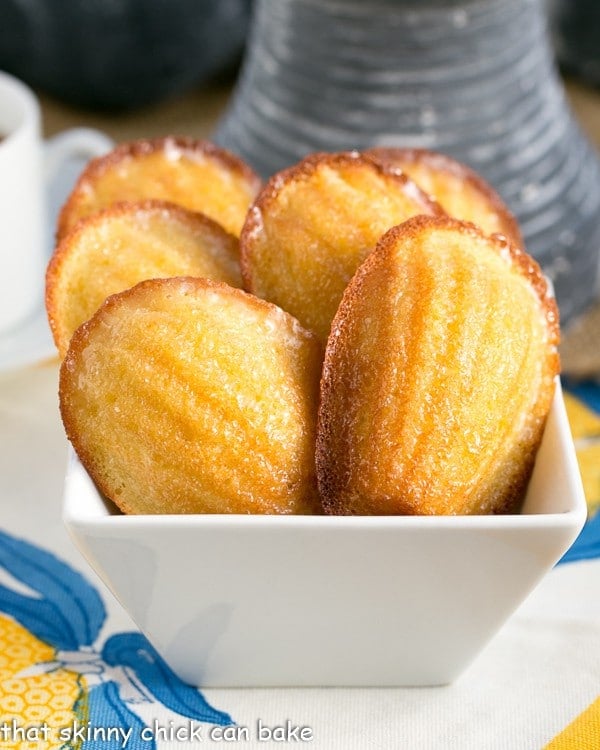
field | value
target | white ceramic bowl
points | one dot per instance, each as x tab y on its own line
290	600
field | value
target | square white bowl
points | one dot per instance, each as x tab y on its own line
231	600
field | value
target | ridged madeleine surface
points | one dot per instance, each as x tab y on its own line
312	226
125	244
438	376
460	191
185	395
195	174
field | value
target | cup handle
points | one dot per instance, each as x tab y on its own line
82	143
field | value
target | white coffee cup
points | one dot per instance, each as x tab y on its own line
26	165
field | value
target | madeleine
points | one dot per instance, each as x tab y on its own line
461	192
438	376
124	244
314	223
195	174
185	395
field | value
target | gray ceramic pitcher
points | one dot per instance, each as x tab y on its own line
473	78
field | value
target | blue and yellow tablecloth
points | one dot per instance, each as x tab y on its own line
75	673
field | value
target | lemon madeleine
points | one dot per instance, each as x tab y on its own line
314	223
185	395
195	174
438	376
124	244
460	191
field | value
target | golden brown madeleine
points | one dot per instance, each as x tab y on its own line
185	395
195	174
314	223
460	191
438	376
116	248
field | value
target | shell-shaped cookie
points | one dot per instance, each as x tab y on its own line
124	244
185	395
195	174
314	223
438	376
460	191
